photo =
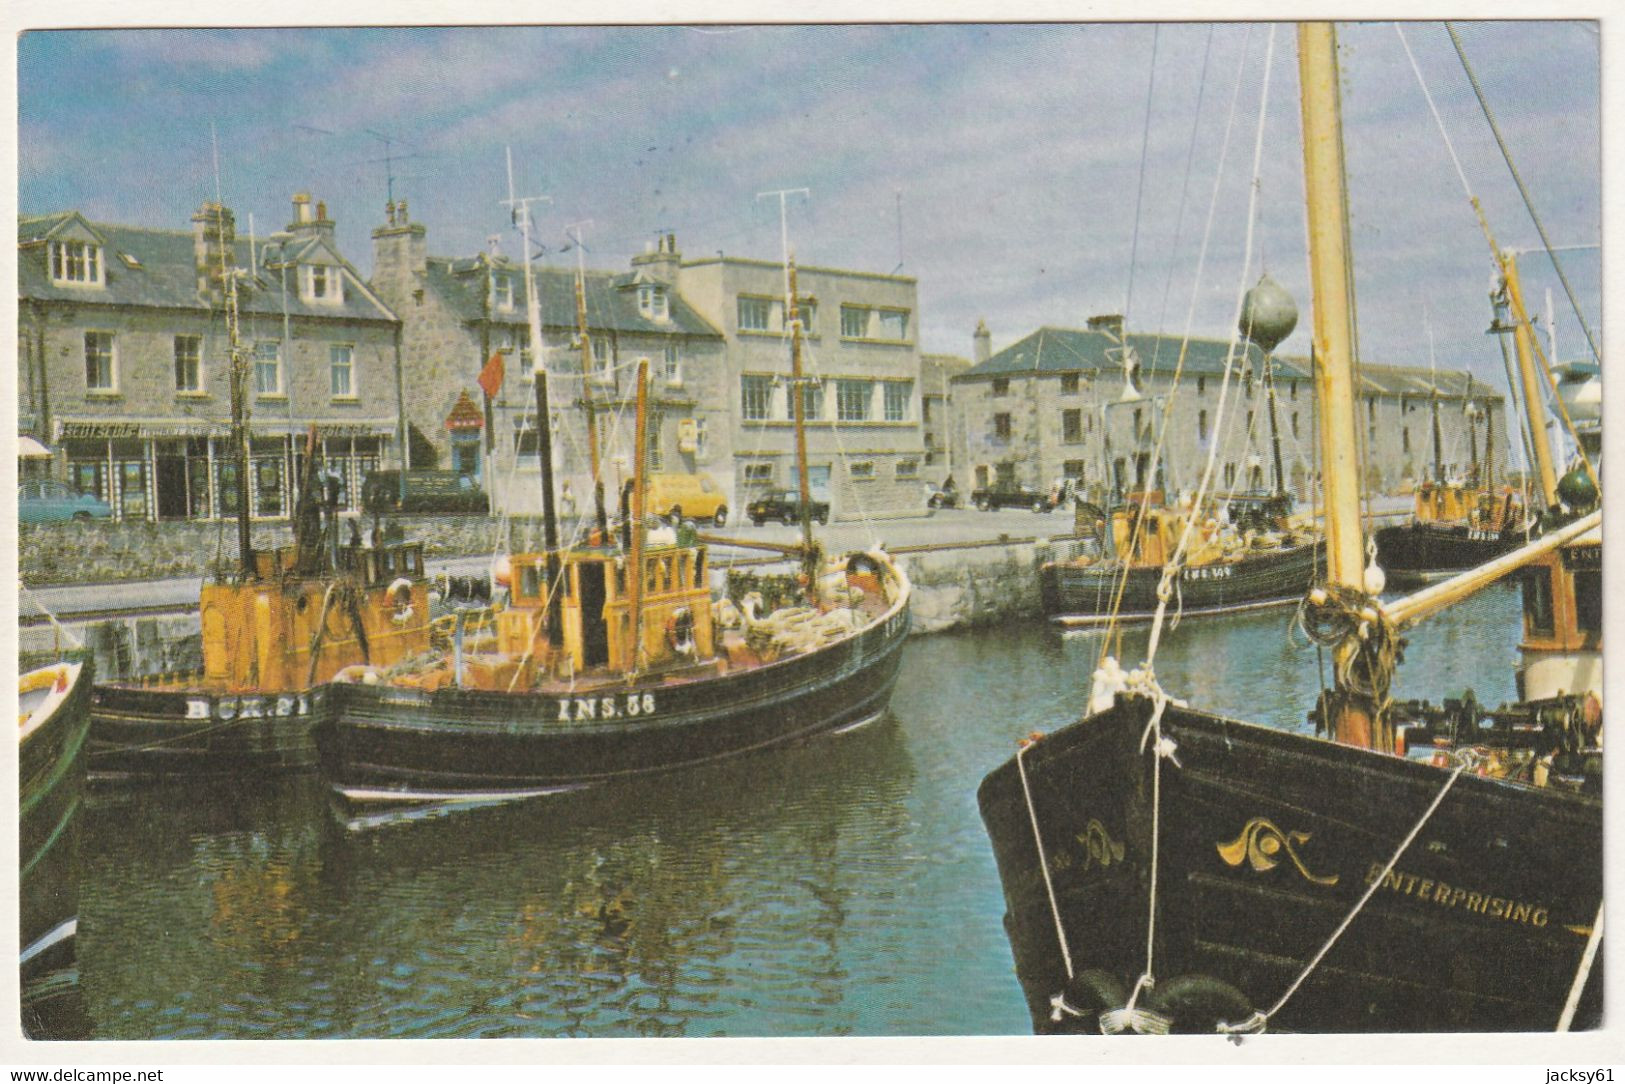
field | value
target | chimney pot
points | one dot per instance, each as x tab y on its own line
321	211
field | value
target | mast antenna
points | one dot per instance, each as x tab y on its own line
389	164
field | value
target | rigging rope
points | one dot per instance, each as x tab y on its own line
1145	146
1523	191
1043	860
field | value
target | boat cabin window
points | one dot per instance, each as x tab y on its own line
1537	601
1588	601
699	565
530	581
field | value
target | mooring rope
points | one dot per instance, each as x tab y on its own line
1257	1022
1587	959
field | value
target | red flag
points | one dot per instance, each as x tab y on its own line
491	376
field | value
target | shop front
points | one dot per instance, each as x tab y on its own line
168	472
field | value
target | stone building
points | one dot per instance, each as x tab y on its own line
865	447
458	313
1062	403
123	360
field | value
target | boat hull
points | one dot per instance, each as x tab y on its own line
1267	841
377	740
51	784
1075	595
1413	551
162	733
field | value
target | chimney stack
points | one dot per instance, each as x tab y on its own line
214	237
306	224
399	251
662	262
982	343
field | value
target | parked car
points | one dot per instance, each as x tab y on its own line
42	501
691	496
784	505
445	491
941	497
1013	496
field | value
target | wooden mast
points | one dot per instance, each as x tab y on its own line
634	570
239	400
1354	718
544	436
1523	343
798	412
586	394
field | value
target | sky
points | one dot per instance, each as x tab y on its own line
1015	170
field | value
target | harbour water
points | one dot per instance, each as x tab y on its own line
842	887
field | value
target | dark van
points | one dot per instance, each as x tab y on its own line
442	491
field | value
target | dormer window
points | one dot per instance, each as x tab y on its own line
321	284
502	293
76	263
652	301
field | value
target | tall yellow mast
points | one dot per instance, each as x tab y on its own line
1523	341
1354	717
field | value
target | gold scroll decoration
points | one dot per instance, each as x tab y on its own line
1261	844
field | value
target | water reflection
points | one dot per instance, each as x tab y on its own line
840	887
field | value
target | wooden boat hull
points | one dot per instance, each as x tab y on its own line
1418	550
1083	595
1267	841
377	740
190	733
51	784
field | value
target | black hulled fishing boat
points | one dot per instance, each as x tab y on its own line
1402	868
276	625
612	658
1241	552
53	724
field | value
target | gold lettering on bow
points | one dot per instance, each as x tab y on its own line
1261	844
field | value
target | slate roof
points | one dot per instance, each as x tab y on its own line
612	298
1068	350
164	275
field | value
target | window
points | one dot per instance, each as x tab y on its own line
1072	425
600	361
1292	387
1201	385
267	368
1201	425
812	401
188	363
898	394
755	397
854	322
925	410
893	325
1404	436
759	472
1588	601
1249	421
907	470
323	284
1001	426
862	472
1073	469
75	261
655	452
1539	617
101	374
1001	385
502	292
1229	475
754	313
807	310
674	365
1069	383
852	400
342	367
652	301
1295	425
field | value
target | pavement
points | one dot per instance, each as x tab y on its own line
940	527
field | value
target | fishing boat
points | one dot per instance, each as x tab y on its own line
276	625
612	658
1403	867
1250	551
52	727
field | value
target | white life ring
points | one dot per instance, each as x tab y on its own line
680	631
400	596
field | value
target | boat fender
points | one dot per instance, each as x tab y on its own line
1076	1010
400	596
1199	1004
359	674
680	631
